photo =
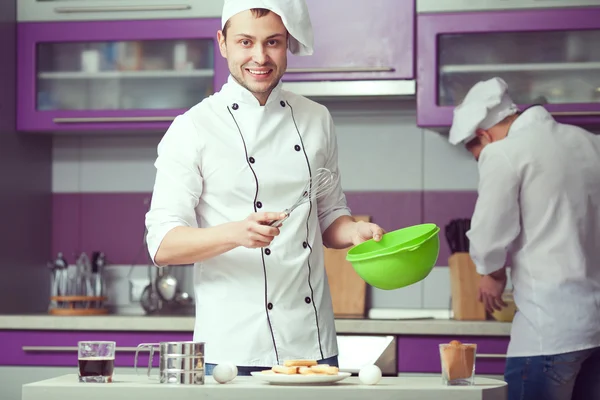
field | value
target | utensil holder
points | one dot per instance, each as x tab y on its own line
77	305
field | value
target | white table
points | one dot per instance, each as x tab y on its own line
125	387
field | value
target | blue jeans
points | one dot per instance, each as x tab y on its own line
245	371
568	376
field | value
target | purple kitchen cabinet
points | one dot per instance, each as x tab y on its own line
114	75
421	353
59	348
364	40
546	56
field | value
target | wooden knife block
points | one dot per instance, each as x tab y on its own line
464	283
348	290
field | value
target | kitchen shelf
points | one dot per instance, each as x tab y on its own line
469	68
198	73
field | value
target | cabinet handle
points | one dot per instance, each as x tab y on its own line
45	349
111	119
490	355
575	113
338	70
71	10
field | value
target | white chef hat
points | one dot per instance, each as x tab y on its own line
293	14
486	104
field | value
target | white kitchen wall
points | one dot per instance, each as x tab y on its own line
380	149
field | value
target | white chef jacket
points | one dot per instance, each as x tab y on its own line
222	160
539	197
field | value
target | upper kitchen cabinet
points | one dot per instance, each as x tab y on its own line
358	40
78	10
114	75
546	56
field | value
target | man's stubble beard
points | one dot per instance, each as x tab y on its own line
244	83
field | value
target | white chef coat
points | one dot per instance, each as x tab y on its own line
539	197
222	160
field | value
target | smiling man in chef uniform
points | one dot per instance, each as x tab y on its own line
539	197
230	165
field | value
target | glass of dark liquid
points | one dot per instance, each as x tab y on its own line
96	361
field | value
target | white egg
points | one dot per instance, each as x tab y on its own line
235	370
225	372
369	375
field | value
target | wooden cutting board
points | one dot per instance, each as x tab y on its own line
348	290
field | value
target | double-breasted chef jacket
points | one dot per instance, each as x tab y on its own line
220	161
539	198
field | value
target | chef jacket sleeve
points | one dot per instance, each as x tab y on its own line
178	183
496	220
333	205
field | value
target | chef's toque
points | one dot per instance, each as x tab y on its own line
486	104
293	14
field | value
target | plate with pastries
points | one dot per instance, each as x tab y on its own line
301	372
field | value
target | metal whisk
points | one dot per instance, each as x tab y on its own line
321	183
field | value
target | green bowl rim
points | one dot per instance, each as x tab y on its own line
394	250
413	247
432	225
423	237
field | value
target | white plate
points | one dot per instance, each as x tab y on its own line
298	379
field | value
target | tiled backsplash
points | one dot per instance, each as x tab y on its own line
393	171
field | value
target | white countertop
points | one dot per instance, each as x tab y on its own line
186	324
126	386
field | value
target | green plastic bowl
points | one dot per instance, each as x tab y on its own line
395	240
399	266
